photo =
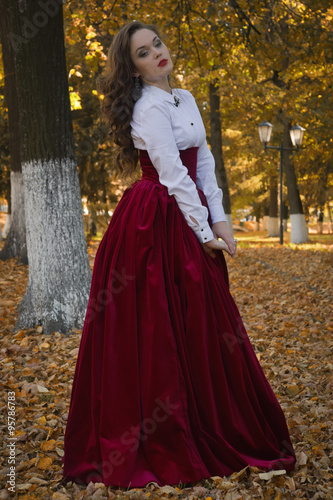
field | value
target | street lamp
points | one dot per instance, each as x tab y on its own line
296	135
265	130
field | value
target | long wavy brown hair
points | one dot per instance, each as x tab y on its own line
116	84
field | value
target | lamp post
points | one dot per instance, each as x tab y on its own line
296	135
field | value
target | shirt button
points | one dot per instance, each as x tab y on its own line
201	230
191	123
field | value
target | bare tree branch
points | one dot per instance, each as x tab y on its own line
241	14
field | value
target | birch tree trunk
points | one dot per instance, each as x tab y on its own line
7	224
15	244
299	230
216	145
273	220
59	272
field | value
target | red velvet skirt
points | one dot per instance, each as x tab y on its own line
167	387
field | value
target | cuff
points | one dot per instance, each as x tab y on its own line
204	233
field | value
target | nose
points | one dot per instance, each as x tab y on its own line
157	51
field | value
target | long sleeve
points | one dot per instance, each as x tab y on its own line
206	180
154	123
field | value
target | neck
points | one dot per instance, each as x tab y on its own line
161	84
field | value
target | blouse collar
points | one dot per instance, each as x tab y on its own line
160	93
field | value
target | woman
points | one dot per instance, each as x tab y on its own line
167	387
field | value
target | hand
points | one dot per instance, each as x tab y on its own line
214	244
222	230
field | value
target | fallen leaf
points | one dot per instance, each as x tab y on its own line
268	475
168	490
37	480
302	458
41	421
41	388
44	463
44	345
291	484
60	496
292	390
23	487
48	445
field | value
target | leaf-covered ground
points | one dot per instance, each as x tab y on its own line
285	298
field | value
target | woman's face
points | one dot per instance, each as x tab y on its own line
150	57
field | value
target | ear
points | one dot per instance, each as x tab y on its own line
136	74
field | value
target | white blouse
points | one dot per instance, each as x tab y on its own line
163	129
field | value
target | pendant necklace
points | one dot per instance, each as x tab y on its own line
177	101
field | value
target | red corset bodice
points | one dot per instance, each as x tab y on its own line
187	156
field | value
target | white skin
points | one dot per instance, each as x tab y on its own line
147	51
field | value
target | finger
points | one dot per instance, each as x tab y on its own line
232	245
210	251
221	245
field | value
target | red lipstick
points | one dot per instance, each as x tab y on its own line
163	62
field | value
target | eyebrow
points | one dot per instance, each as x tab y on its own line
144	46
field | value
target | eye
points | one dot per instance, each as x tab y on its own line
143	54
158	43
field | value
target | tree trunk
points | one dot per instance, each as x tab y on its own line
285	217
329	219
15	245
273	221
7	225
266	217
59	272
320	221
216	145
299	231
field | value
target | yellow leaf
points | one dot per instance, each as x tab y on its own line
44	463
24	342
48	445
41	421
44	345
292	390
75	100
20	334
27	372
